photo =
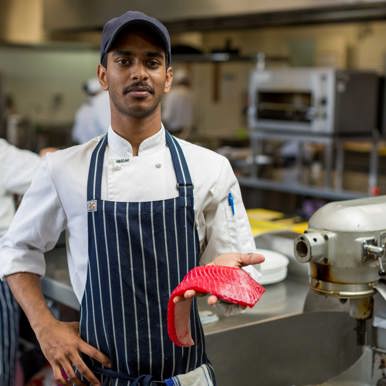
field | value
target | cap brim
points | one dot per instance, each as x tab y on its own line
158	32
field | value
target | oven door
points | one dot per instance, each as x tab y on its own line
284	106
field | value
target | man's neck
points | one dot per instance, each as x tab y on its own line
136	130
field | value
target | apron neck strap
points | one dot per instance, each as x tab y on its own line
94	182
184	182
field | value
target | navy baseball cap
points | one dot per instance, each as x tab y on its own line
114	26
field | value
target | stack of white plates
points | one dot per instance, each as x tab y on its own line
274	267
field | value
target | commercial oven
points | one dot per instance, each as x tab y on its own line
314	101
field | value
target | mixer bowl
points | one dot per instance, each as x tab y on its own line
303	349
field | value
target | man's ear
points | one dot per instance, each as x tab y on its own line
169	79
102	76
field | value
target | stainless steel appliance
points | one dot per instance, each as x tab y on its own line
313	101
346	247
345	244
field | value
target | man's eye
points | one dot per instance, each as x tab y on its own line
153	63
123	61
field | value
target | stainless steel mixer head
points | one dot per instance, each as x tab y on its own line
345	245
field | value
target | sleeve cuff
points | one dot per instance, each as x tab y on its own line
14	261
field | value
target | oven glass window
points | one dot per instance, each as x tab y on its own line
284	105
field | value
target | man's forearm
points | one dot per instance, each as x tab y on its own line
60	341
26	288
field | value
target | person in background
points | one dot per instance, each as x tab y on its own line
93	116
178	106
16	170
140	208
9	109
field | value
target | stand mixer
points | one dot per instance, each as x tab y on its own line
345	246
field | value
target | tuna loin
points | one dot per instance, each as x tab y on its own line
232	285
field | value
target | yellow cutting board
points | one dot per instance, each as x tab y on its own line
264	220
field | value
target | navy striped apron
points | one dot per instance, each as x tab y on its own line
9	332
138	253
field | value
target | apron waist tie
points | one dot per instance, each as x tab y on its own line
142	380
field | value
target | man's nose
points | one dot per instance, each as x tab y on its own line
138	71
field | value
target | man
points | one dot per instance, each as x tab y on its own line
93	116
16	170
177	107
140	209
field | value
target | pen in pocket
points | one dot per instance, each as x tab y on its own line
231	202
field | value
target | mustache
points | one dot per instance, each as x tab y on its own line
138	86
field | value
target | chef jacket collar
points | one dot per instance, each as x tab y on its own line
121	148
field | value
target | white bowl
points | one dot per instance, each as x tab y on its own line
274	267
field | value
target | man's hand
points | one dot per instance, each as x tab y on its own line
234	259
59	341
238	260
46	150
62	346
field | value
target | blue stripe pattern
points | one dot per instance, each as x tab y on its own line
138	253
9	332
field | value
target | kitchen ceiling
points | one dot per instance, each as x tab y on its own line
87	15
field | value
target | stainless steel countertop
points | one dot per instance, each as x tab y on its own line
56	284
280	299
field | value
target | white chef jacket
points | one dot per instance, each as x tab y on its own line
92	118
16	170
177	109
57	199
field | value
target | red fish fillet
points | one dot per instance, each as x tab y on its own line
230	284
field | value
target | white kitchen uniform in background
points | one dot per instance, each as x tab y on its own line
56	201
16	170
178	106
92	118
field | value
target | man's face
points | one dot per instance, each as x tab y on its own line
136	75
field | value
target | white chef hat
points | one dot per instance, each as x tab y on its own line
93	86
180	75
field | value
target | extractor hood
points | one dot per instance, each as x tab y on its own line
189	15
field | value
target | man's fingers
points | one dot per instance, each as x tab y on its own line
77	361
189	294
70	376
59	375
250	259
92	352
212	299
76	382
238	260
68	372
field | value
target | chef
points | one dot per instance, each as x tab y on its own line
93	116
16	170
140	209
178	106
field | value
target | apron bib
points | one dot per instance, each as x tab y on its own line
138	253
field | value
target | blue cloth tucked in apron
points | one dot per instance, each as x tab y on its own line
138	253
9	332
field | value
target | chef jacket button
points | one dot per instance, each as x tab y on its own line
158	166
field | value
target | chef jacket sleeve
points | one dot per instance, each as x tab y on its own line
17	168
35	228
226	230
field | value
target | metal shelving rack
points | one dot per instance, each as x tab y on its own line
333	154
